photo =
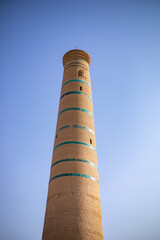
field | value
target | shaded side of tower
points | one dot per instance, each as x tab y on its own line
73	209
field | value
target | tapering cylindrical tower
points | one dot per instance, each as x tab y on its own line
73	210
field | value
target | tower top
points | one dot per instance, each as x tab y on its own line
76	53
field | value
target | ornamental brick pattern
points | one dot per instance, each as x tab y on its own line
73	209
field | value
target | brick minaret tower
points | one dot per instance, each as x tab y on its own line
73	210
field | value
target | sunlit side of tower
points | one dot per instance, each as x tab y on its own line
73	209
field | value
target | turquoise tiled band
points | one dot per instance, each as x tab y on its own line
77	59
74	160
76	92
67	126
74	174
74	142
79	109
75	126
77	64
76	80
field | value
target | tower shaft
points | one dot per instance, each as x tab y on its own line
73	209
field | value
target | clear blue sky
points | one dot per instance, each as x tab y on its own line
123	39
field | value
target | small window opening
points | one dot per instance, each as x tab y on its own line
90	141
56	135
80	73
80	88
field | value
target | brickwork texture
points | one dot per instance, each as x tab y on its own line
73	209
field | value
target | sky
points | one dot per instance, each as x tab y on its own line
123	40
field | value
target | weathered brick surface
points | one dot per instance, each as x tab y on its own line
73	209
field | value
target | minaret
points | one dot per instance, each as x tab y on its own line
73	210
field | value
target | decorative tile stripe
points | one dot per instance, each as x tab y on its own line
75	92
79	126
79	109
78	64
75	65
76	80
67	126
74	126
74	160
74	174
77	59
74	142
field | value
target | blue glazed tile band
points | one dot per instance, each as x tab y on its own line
74	142
64	127
77	59
75	92
76	80
73	174
86	128
75	126
75	64
74	160
79	109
